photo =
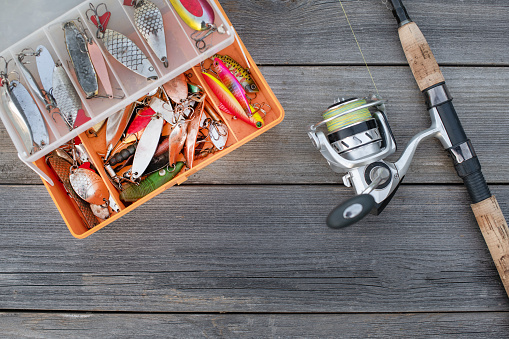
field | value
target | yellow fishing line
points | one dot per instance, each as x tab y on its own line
359	46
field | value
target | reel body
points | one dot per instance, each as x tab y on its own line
356	142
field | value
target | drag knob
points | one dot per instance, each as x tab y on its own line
351	211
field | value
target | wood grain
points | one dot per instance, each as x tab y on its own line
286	155
251	249
247	234
94	325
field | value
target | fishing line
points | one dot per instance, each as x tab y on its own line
359	46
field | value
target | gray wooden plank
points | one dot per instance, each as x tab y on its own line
316	32
286	155
94	325
251	249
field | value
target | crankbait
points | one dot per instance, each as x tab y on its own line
66	97
61	166
229	104
149	22
77	47
199	15
229	80
177	139
119	46
147	147
88	185
133	192
192	134
241	73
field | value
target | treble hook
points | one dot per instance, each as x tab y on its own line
3	74
95	10
199	36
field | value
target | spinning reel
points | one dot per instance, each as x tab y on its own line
358	141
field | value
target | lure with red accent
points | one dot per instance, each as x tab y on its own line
231	82
229	104
197	14
141	121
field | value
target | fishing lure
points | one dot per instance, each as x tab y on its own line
229	80
141	120
241	73
77	47
228	103
61	166
199	15
115	124
119	46
149	22
192	134
66	97
100	67
34	117
16	115
146	146
100	211
177	139
133	192
45	65
164	109
39	93
218	131
176	88
161	157
128	54
88	185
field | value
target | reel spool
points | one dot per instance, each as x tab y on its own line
358	141
352	135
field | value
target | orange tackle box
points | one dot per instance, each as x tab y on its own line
184	57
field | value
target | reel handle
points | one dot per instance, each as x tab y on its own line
351	211
496	234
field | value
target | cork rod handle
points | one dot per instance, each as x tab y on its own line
420	58
496	234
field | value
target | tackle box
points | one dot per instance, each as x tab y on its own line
183	56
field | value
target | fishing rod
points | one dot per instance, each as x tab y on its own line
358	138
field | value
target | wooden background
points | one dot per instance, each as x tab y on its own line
241	249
